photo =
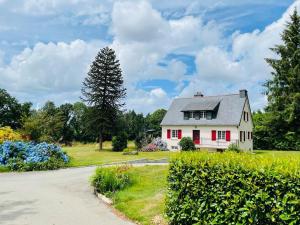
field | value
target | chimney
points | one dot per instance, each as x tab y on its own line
243	93
198	94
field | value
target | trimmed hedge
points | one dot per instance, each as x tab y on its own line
231	188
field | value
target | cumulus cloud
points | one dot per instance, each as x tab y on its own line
244	66
49	70
143	37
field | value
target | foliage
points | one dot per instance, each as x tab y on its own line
110	180
11	111
186	144
8	134
150	148
103	90
119	142
139	142
160	144
230	188
29	156
233	148
283	88
153	121
156	144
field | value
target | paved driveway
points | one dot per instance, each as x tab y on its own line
62	197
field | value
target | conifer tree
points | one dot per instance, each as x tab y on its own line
103	89
283	89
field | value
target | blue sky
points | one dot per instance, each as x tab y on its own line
167	49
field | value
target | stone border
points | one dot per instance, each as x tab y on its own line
103	198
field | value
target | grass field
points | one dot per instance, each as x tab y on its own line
86	155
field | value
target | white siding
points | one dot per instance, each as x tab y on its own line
205	136
246	126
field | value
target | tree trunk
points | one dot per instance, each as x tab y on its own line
100	141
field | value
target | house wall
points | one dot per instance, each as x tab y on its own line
205	136
246	126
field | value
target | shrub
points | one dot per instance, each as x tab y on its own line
24	156
150	148
187	144
119	142
160	144
109	180
233	148
230	188
138	142
8	134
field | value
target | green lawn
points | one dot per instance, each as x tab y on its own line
144	201
85	155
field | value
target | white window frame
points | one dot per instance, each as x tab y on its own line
174	134
203	114
221	135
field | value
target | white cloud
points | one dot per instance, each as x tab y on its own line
144	38
244	66
143	101
49	70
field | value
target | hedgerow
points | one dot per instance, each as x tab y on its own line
231	188
23	156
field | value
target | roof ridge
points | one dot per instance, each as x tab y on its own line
205	96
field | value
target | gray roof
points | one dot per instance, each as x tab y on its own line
202	103
229	111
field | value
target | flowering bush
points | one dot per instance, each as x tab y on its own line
8	134
160	144
29	156
157	144
150	148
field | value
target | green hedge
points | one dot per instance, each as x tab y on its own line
231	188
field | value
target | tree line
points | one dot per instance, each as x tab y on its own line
71	122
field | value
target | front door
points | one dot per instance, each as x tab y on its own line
196	137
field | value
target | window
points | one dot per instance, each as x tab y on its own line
196	115
203	114
221	135
174	147
242	136
186	115
248	135
174	133
246	116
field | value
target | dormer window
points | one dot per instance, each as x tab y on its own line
203	114
197	115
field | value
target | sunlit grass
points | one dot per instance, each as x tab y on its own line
144	200
89	154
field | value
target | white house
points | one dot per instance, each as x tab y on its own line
213	122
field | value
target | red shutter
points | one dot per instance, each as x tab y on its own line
213	135
179	134
168	134
227	135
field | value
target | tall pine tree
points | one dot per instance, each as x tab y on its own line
103	89
283	89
